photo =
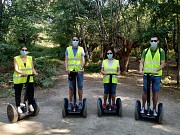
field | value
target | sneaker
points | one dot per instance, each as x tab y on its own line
31	108
70	106
19	109
114	106
154	112
80	106
142	110
104	106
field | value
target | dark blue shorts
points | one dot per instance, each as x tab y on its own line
107	88
80	77
155	83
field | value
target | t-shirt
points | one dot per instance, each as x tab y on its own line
162	53
110	63
75	51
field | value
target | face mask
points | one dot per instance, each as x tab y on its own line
153	44
110	56
75	43
24	52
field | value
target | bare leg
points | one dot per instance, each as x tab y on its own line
155	99
105	98
144	98
113	98
71	93
80	93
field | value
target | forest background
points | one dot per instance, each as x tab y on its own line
47	26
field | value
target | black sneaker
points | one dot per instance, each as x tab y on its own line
80	106
70	106
155	113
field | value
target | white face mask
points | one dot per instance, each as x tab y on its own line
153	44
75	43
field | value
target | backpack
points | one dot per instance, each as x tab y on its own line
160	49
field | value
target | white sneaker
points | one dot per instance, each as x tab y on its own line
142	110
19	109
31	108
154	112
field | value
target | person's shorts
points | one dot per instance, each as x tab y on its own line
107	88
80	77
155	83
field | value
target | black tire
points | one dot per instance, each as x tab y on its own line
84	113
119	107
64	107
12	113
99	107
160	113
137	110
35	105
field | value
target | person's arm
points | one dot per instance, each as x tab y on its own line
118	69
83	62
162	62
82	59
16	67
161	66
34	71
66	62
141	65
102	71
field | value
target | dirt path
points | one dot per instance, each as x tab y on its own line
50	121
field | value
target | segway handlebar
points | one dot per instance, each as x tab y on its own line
111	74
26	75
150	74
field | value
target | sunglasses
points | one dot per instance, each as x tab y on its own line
24	49
153	40
109	53
75	40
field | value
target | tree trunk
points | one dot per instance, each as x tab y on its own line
1	17
84	42
118	15
102	28
178	44
111	24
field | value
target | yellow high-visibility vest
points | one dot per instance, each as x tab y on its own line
112	70
74	62
150	64
17	79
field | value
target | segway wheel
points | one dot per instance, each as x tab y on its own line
84	108
36	107
64	107
12	113
137	110
99	107
119	107
160	113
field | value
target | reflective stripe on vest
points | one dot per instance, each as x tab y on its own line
112	70
74	62
17	79
151	64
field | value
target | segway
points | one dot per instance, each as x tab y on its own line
75	108
12	112
109	109
148	113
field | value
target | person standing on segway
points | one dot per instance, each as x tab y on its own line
23	65
152	61
74	61
110	66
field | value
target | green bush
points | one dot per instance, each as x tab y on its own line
93	67
7	53
46	67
